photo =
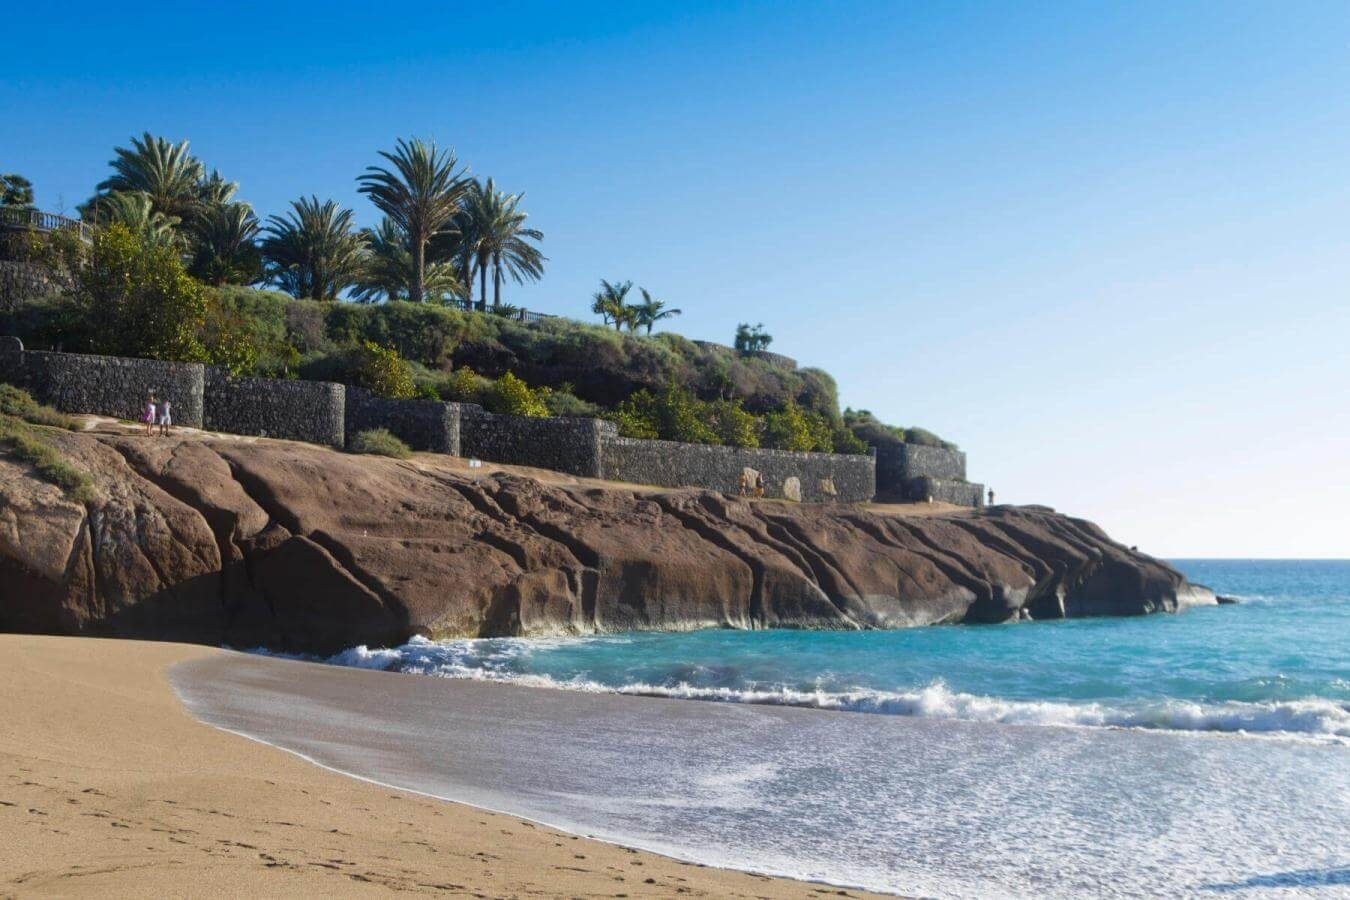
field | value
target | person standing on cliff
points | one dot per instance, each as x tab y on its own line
165	418
148	417
991	496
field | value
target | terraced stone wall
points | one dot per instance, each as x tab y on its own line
803	477
313	411
107	385
428	425
564	445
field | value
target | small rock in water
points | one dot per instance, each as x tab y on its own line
1227	601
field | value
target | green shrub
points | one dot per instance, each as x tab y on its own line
138	300
633	417
789	429
732	424
513	397
383	371
565	403
380	442
462	385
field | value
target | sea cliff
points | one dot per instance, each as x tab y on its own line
298	547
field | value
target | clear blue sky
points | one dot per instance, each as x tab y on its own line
1102	247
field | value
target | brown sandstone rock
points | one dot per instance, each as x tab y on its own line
303	548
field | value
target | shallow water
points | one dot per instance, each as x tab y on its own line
1278	664
1189	755
912	805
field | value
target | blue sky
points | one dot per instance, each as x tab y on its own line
1104	249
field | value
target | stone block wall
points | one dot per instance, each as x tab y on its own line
961	493
804	477
916	472
428	425
111	385
564	445
11	360
313	411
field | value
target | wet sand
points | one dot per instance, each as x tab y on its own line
109	787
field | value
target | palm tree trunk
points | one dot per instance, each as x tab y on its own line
496	282
418	286
482	284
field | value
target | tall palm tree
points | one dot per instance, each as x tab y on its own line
610	303
168	173
389	268
225	249
214	190
421	196
136	211
494	227
312	252
650	311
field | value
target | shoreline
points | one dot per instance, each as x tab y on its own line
114	788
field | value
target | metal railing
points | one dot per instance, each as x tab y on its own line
26	217
515	313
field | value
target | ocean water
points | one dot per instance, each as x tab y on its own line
1193	755
1277	664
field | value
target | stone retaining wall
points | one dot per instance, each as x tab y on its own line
331	414
804	477
312	411
564	445
428	425
962	493
916	472
110	385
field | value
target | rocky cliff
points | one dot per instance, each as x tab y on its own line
302	548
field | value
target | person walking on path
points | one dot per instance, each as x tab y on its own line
148	417
991	496
165	418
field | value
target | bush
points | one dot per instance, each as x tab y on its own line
382	371
138	300
513	397
380	442
565	403
789	429
732	424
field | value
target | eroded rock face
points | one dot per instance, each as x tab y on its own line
301	548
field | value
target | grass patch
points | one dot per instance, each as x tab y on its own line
380	442
18	413
20	405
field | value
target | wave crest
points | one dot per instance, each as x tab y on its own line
494	660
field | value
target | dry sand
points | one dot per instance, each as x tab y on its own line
108	787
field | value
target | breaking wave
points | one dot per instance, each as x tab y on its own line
1321	720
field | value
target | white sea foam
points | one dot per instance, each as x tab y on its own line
1321	720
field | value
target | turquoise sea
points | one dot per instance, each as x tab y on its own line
1198	754
1276	664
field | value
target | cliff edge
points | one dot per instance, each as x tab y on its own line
297	547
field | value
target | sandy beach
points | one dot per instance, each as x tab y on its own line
111	788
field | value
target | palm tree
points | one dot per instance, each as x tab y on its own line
494	227
389	268
421	196
650	311
610	303
168	173
135	210
312	252
224	245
